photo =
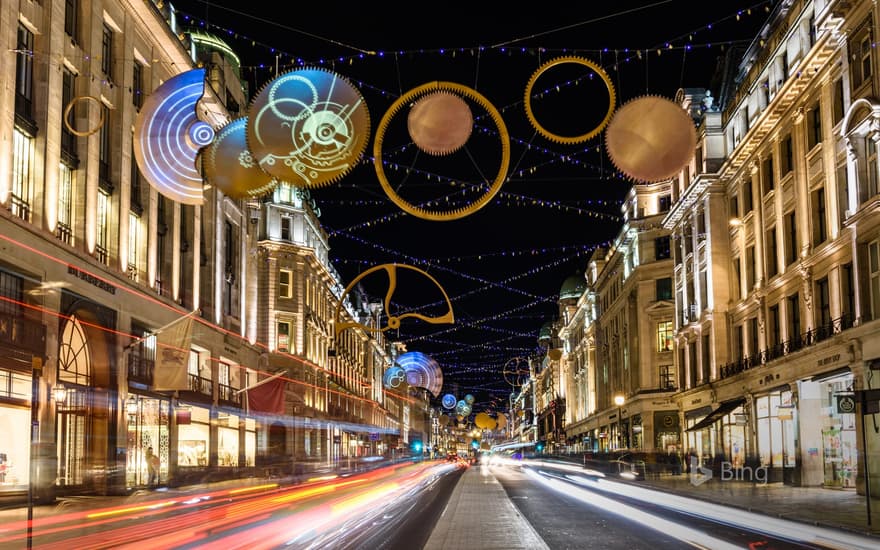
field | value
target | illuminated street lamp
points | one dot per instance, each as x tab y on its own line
619	400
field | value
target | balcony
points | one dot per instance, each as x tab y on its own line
140	369
229	395
28	336
801	341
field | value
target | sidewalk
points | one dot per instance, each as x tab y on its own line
479	515
834	508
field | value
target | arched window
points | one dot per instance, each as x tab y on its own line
74	360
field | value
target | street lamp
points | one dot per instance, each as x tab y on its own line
619	400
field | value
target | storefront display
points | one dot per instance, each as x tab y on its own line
227	440
193	439
14	448
148	427
838	436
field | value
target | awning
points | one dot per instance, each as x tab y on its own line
723	409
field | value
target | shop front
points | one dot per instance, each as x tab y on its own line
829	452
15	443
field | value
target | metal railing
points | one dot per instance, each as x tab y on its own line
800	341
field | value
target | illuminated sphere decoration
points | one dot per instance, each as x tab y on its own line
462	408
484	421
168	137
230	167
449	401
650	139
440	123
469	399
308	127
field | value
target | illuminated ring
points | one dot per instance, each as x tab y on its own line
571	139
67	110
406	99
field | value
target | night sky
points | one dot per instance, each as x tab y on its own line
503	265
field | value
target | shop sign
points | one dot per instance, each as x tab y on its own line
846	404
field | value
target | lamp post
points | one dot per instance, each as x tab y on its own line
619	400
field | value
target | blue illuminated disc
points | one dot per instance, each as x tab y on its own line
394	378
449	401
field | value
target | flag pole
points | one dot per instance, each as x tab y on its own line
158	330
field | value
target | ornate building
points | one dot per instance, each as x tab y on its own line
101	275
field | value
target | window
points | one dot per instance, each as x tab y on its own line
842	193
847	291
871	166
767	178
667	377
737	342
860	55
734	206
134	199
64	230
285	284
664	289
771	256
773	335
794	318
70	18
791	251
107	51
823	305
104	157
838	107
662	250
747	196
750	268
874	271
814	127
137	84
664	336
786	154
753	336
12	287
283	336
285	228
68	92
24	73
706	359
22	161
102	230
664	203
737	278
134	224
820	228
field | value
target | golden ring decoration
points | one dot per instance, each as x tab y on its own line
568	140
70	105
408	98
393	321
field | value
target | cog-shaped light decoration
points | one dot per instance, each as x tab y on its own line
469	399
168	136
394	378
231	167
568	140
440	123
491	188
393	321
501	421
308	127
651	139
462	408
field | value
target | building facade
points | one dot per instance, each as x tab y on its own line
100	269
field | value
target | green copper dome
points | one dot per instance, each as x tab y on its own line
546	332
573	287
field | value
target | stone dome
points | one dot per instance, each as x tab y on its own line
573	287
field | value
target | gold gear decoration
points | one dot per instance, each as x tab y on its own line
651	138
408	98
393	321
230	166
83	133
569	140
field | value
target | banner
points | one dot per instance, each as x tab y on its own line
172	356
267	397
